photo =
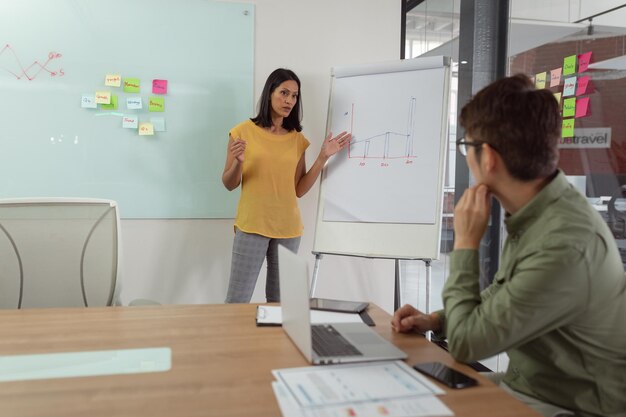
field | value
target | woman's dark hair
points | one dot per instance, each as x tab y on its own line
264	116
520	122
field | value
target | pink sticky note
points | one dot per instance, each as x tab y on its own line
555	77
582	107
583	82
159	86
583	61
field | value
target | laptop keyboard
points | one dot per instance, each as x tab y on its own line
328	342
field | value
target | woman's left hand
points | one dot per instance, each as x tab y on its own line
333	145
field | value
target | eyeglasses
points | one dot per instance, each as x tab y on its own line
464	144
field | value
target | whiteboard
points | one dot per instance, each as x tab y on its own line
52	53
382	196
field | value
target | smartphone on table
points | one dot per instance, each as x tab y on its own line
339	306
445	375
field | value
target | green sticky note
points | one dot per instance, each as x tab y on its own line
569	107
157	104
112	105
568	128
131	85
569	65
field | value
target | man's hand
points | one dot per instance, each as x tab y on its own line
407	318
471	216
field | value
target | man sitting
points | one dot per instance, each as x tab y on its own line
557	304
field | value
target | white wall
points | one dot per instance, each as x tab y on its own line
188	261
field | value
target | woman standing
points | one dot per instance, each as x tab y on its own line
266	155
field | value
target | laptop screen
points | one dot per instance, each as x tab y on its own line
293	275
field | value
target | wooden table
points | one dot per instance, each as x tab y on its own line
221	363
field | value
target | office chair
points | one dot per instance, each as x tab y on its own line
58	252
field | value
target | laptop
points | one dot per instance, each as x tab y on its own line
324	343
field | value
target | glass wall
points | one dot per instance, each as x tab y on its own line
577	50
586	71
432	28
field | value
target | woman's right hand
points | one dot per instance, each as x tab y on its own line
237	148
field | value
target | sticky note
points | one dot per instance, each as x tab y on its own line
112	104
103	97
49	366
156	104
131	85
113	80
583	61
567	131
582	82
569	65
555	77
146	129
88	101
130	121
159	86
540	80
582	107
569	107
569	86
557	96
134	103
158	123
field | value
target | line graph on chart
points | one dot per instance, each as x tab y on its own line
392	163
10	63
387	144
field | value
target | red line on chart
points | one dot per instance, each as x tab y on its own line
388	137
36	67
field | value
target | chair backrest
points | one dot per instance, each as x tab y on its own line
58	252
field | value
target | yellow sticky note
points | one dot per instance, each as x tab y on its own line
568	128
540	80
112	105
146	129
103	97
113	80
557	96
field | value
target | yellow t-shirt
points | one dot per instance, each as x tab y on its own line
268	204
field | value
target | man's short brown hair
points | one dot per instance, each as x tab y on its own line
520	122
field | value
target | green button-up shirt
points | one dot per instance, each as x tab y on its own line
557	305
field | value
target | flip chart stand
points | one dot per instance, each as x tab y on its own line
397	291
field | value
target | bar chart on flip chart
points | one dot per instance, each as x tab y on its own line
386	144
390	165
382	194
